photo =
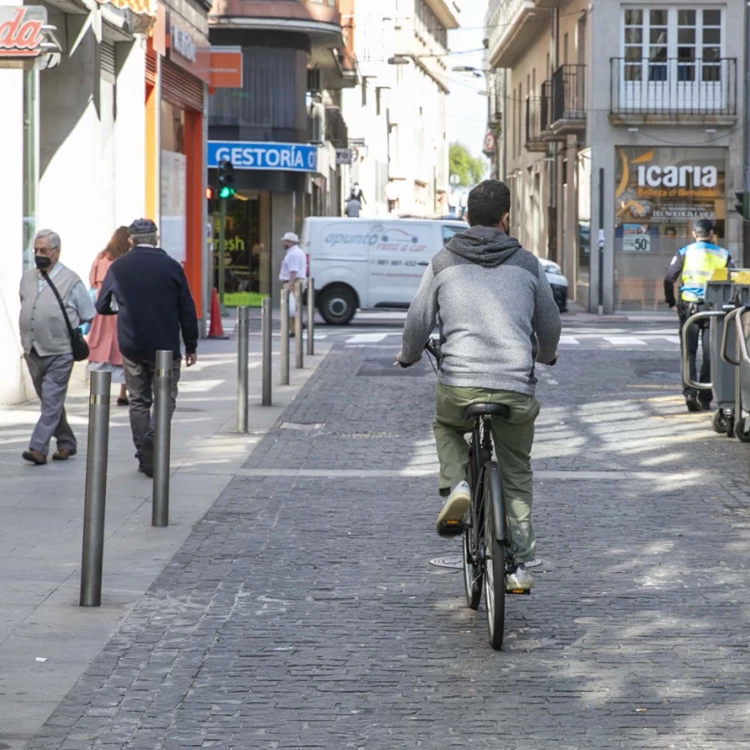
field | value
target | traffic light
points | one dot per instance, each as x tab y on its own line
210	193
226	179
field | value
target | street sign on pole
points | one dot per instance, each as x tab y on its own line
222	250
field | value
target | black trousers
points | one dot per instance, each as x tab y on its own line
697	334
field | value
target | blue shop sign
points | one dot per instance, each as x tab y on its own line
288	157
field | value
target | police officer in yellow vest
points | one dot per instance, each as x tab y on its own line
693	266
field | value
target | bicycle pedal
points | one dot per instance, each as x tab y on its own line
451	528
518	592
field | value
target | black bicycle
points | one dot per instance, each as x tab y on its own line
487	549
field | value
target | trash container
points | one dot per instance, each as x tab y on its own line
726	292
730	354
720	296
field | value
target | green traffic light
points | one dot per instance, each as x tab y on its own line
226	192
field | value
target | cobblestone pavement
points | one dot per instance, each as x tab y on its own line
303	611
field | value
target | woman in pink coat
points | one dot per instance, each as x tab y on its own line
104	351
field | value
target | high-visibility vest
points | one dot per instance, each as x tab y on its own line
701	260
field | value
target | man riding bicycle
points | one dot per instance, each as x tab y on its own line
496	316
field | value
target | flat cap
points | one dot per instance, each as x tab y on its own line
142	226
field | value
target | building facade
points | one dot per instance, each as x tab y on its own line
102	124
618	120
280	131
397	115
72	118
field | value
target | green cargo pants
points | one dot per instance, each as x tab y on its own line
513	440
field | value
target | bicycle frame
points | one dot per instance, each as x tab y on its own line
481	454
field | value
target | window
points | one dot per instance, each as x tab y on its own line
663	44
428	26
450	229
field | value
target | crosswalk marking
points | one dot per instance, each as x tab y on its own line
672	339
569	340
624	340
366	338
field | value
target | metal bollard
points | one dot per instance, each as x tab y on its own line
284	363
310	317
299	350
162	437
267	349
243	354
96	491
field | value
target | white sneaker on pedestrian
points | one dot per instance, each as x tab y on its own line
537	562
520	580
458	502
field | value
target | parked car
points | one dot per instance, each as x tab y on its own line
378	263
558	282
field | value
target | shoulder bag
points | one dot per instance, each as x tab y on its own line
77	342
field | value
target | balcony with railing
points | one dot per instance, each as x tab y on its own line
335	127
567	101
496	97
511	27
672	90
536	115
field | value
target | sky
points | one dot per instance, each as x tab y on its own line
467	111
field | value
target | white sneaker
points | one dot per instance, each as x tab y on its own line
537	562
520	579
455	508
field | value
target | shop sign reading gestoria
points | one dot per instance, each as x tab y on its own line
667	186
288	157
22	31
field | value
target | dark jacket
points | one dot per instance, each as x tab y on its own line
153	304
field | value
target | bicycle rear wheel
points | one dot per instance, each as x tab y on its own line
494	568
472	569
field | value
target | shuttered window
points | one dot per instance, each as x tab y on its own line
177	86
107	61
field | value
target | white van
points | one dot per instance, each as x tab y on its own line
368	263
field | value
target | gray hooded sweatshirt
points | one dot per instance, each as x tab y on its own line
494	309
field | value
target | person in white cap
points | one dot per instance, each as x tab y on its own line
294	266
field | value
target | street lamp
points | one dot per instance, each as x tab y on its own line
476	72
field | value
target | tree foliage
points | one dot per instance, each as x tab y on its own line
469	169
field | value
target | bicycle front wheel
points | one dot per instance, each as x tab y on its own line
494	568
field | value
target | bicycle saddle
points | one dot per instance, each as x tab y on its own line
487	410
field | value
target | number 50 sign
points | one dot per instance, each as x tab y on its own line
635	241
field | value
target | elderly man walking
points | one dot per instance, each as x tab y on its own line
153	305
46	342
293	267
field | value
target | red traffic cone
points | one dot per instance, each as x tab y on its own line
215	330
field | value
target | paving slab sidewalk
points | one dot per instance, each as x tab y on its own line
46	640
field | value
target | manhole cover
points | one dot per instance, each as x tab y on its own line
454	562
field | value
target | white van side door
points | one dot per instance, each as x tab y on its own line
398	260
338	251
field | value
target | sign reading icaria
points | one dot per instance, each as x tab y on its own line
21	30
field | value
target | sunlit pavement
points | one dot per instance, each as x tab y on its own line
46	640
303	610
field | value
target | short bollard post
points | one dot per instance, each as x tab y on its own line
162	437
267	351
299	344
96	490
310	317
284	363
243	354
